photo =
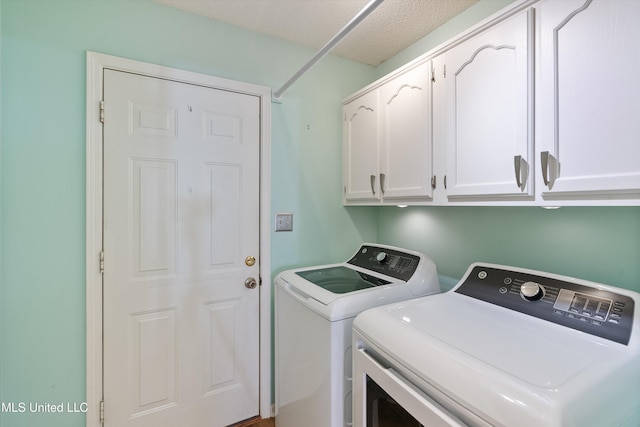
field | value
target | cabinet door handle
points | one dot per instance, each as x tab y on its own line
382	178
550	168
373	184
522	171
433	182
544	162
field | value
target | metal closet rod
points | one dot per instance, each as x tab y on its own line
351	25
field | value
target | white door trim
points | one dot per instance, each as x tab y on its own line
96	63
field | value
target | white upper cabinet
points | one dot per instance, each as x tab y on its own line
489	107
361	148
388	154
536	105
588	128
406	163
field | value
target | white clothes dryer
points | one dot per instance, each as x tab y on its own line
505	347
314	312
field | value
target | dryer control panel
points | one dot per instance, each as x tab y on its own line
596	310
387	261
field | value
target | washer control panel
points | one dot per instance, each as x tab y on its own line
387	261
589	309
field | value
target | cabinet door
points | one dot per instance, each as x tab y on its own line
361	148
490	112
588	135
405	135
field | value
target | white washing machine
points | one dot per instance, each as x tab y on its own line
505	347
314	312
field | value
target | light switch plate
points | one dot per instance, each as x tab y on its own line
284	221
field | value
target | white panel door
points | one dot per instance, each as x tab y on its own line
490	112
405	135
181	214
589	98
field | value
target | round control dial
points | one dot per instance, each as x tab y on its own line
531	291
381	257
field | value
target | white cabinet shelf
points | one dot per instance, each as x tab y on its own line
405	132
537	105
588	100
361	148
489	107
388	153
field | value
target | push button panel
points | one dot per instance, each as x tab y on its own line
589	309
397	264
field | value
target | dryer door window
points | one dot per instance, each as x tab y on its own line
383	411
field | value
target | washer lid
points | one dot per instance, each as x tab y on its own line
341	280
374	276
356	294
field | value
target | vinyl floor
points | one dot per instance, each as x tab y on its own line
268	422
257	422
392	420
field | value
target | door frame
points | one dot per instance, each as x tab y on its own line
96	63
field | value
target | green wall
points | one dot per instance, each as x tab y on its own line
42	178
601	244
43	83
1	221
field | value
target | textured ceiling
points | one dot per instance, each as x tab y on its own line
393	26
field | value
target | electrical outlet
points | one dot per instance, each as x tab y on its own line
284	222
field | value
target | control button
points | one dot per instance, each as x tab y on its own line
508	281
531	291
592	306
482	275
381	257
579	302
503	290
614	321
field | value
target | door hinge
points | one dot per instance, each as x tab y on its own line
433	75
101	111
102	411
444	71
101	262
